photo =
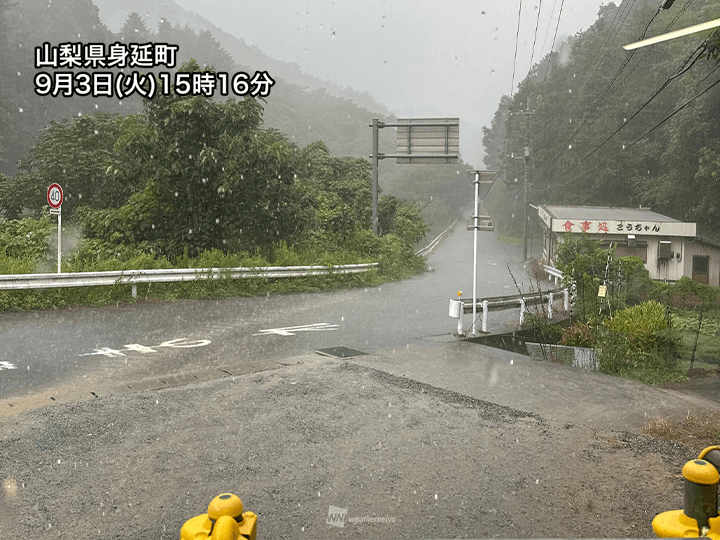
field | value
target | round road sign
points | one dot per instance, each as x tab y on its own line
55	196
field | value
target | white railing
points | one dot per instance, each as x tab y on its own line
133	277
522	301
553	273
432	245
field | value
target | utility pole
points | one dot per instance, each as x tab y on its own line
526	158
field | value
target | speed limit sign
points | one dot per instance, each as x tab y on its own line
55	196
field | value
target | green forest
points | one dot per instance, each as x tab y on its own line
609	127
195	180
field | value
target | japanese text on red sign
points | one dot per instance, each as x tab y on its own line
66	57
602	227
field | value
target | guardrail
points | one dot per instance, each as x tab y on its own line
512	301
553	273
133	277
432	245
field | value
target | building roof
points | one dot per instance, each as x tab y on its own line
606	213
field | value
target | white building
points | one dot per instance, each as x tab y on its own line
669	248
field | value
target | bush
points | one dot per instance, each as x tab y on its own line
639	343
579	335
25	238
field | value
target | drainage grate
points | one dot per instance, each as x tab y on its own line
340	352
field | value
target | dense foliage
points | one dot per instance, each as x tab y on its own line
617	128
303	112
586	266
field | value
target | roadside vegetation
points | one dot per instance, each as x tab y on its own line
194	183
640	329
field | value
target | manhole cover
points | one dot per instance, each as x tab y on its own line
340	352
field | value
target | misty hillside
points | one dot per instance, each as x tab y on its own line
114	15
302	114
616	128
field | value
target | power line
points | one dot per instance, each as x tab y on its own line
653	128
537	23
517	39
554	38
547	32
647	131
599	102
683	69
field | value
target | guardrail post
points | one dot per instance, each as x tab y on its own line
460	320
484	315
566	299
550	306
522	311
134	290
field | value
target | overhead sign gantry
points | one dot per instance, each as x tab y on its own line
419	140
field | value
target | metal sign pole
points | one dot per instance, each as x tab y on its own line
375	146
475	233
59	235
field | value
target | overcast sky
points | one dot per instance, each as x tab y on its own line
417	57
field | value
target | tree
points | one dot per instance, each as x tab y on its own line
210	177
134	30
78	155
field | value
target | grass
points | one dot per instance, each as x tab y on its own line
511	240
696	432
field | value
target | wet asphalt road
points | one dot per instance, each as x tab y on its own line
150	339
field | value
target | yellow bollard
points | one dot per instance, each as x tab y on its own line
224	520
699	516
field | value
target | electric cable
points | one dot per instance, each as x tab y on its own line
600	100
554	38
647	130
517	40
537	23
683	69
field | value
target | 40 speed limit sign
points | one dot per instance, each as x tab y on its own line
55	196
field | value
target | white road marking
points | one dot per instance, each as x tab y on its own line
105	351
7	365
174	343
180	343
139	348
291	330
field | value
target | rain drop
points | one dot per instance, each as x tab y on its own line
19	74
569	146
20	109
190	231
333	34
217	220
176	193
